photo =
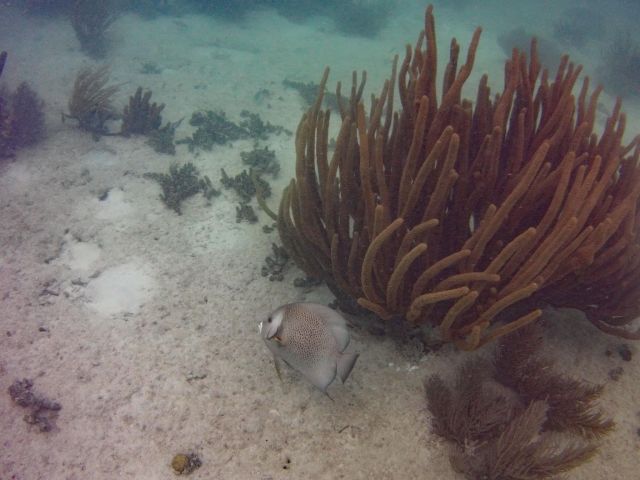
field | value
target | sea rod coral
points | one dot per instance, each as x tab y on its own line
470	215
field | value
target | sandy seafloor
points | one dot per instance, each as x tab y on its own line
143	323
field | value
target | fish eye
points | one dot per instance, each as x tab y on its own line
269	320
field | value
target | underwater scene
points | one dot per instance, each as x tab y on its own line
319	239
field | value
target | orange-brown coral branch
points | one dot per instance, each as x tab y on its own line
470	216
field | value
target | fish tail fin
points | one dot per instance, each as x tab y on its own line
346	361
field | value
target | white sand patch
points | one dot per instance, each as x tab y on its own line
121	289
19	175
101	158
115	206
80	256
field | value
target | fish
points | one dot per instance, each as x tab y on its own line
312	339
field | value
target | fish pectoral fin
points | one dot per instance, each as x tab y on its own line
346	361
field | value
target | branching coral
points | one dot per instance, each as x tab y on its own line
181	183
21	117
530	423
571	402
213	128
91	20
162	139
27	116
5	118
470	216
141	116
261	160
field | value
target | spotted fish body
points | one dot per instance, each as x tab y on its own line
311	338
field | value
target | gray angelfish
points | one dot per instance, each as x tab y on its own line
311	338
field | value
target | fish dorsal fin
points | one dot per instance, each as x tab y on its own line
335	322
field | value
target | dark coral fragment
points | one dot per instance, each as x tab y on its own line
42	411
213	128
181	183
141	117
27	116
245	213
162	139
275	264
21	117
207	189
261	161
91	21
257	128
244	185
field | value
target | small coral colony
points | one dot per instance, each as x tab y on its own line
428	209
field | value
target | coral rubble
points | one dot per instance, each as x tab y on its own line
42	411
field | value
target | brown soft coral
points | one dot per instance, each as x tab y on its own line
469	215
